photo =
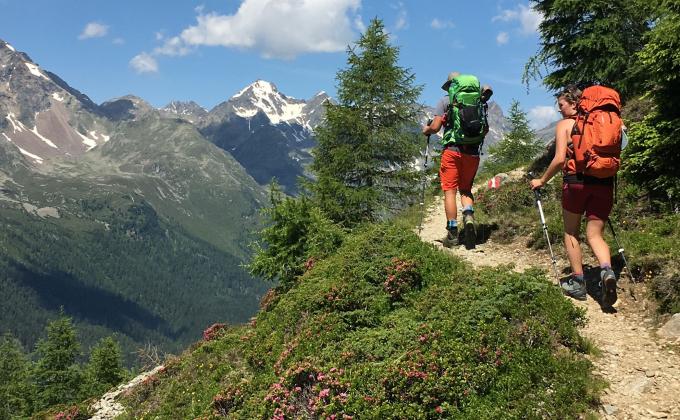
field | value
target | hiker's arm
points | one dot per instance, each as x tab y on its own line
561	138
434	126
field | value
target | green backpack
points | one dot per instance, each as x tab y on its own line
466	118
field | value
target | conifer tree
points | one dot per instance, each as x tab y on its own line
56	374
648	160
590	41
15	389
367	143
517	147
105	368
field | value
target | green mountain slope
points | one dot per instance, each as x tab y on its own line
387	327
144	236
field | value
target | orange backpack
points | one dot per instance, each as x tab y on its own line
596	138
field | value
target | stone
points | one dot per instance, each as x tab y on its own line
671	329
650	373
612	350
610	410
638	386
657	414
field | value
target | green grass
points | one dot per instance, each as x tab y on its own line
389	327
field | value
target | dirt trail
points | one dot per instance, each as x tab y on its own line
643	370
108	408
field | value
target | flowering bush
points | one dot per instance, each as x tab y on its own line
402	276
213	331
268	300
226	401
309	392
72	413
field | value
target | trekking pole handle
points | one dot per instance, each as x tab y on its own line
537	192
429	121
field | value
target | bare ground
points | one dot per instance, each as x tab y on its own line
643	369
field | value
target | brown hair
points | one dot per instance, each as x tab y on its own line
571	94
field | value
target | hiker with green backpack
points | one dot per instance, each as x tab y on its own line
463	115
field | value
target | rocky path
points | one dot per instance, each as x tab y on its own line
642	368
108	408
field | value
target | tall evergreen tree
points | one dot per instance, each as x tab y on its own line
15	389
589	41
57	376
517	147
367	143
105	368
655	140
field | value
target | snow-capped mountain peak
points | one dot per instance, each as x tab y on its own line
263	96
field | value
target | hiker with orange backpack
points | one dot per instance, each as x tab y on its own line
463	114
587	149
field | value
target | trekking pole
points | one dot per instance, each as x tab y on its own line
422	195
621	251
537	196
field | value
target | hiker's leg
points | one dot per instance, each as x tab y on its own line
466	199
450	204
594	231
448	176
467	171
572	225
598	206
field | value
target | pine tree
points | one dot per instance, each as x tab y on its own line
655	140
517	147
296	230
105	368
15	388
367	143
590	41
56	374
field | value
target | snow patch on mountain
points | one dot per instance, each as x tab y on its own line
95	135
49	142
90	143
16	124
35	70
36	158
58	97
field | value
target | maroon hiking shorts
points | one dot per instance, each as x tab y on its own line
595	201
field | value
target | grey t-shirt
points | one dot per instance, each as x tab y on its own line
440	108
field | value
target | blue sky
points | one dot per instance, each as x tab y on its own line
208	50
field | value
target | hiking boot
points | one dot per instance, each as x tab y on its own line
451	238
574	288
608	284
469	234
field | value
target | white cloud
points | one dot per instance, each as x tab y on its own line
94	30
541	116
502	38
118	41
359	24
402	17
275	28
442	24
144	63
174	47
528	18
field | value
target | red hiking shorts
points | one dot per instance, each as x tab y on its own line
457	170
595	201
